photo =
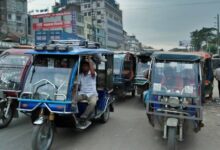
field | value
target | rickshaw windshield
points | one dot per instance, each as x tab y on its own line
56	70
11	67
118	59
142	68
175	79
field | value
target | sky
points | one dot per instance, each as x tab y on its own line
162	23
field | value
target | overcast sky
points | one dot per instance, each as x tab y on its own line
162	23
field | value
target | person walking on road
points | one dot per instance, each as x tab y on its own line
217	77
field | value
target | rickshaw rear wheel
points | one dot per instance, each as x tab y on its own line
105	116
171	138
43	136
5	121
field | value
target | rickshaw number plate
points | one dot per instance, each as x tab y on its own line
156	87
189	89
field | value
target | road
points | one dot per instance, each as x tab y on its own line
127	129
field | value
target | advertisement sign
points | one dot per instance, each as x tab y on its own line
52	25
48	15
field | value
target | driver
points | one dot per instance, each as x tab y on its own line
171	80
88	92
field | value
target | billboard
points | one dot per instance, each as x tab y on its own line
44	37
51	25
49	15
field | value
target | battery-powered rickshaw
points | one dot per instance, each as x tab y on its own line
14	64
142	70
174	97
207	71
52	86
124	73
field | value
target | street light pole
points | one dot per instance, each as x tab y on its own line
218	34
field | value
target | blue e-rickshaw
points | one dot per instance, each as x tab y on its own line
51	89
124	73
174	99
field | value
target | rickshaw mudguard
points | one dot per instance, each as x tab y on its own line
172	122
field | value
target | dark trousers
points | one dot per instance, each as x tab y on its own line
219	88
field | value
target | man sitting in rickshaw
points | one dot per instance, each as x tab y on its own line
87	87
172	80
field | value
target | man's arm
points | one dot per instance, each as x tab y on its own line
92	70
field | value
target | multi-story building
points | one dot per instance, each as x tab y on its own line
94	33
133	44
107	15
13	17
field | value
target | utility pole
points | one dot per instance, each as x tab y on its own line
218	34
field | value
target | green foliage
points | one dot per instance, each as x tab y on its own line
212	48
198	37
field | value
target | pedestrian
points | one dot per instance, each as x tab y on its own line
217	77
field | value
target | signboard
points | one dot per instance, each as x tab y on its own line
46	36
48	15
52	25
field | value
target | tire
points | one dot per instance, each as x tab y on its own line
133	93
5	121
171	138
105	116
38	132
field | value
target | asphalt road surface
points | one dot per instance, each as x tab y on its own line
127	129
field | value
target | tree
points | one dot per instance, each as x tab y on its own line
205	35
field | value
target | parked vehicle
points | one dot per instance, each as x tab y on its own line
14	64
208	76
174	99
51	90
142	71
124	73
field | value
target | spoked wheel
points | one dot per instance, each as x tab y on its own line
5	119
42	136
171	138
105	116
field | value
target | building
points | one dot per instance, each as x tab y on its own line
13	18
94	33
66	24
133	44
107	15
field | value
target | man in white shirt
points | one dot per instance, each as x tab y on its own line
217	77
88	91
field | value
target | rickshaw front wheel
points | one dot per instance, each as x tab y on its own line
105	116
43	136
171	138
5	120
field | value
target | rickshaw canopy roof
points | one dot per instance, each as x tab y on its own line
204	55
15	51
75	51
147	53
176	56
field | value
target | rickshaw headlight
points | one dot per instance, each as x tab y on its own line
174	101
187	101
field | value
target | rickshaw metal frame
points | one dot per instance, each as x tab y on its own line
77	51
163	112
